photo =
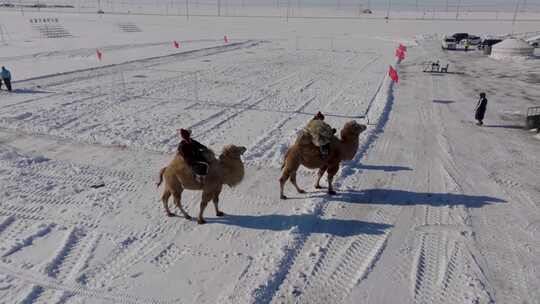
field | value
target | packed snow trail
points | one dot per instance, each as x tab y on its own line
467	223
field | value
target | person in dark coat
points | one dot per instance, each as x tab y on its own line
6	77
193	153
480	110
318	116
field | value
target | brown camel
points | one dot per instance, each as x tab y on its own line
305	153
228	170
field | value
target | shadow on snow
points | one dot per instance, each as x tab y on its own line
306	223
404	198
385	168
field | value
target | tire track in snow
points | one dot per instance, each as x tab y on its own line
263	146
204	126
33	213
37	231
442	270
72	254
271	142
71	257
346	262
40	283
248	106
295	254
139	64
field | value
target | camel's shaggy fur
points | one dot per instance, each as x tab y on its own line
321	132
304	152
228	169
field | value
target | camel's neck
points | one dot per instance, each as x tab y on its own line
349	147
233	171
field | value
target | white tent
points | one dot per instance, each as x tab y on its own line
510	48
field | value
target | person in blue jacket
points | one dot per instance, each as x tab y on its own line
6	78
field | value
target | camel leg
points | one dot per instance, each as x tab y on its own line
282	180
178	203
165	201
289	171
319	176
206	197
293	181
215	200
331	173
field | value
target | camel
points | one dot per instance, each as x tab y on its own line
304	152
228	170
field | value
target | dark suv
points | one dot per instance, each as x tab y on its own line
489	42
460	36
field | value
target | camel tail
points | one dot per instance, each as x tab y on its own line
161	176
285	159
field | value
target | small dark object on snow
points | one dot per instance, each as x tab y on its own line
98	186
533	118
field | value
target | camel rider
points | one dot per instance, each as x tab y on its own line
318	116
321	133
193	152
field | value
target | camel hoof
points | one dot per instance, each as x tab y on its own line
283	197
301	191
332	192
220	213
170	214
318	187
201	221
187	217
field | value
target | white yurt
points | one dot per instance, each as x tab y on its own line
512	48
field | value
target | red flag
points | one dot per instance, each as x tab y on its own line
400	54
402	47
176	44
393	74
225	39
99	54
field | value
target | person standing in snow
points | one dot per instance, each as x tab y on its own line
6	77
194	153
480	110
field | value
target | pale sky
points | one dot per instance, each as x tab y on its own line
376	4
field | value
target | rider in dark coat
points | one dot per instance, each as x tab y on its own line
480	111
193	153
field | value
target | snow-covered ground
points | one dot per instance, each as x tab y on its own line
432	209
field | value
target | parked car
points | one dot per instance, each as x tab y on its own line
448	43
489	42
460	36
474	40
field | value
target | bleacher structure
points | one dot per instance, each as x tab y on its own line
4	35
129	27
49	28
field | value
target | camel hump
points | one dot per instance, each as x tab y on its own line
321	132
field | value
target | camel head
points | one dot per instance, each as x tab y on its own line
352	129
233	168
232	152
